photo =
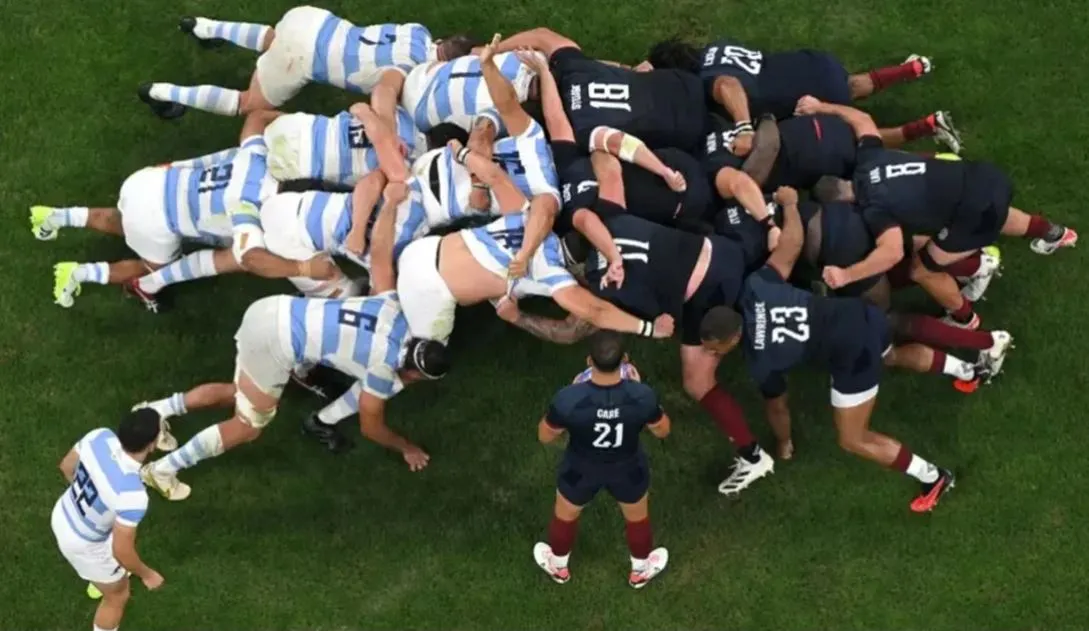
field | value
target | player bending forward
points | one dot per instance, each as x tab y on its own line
308	44
95	520
366	338
604	416
781	327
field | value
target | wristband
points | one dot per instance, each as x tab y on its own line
646	329
480	186
743	127
461	155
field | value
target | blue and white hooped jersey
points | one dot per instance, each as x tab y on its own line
494	245
339	151
327	218
362	337
455	187
106	489
354	57
527	159
455	91
197	200
627	371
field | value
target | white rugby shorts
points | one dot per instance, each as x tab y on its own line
426	301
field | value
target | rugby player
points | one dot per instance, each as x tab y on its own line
664	270
604	416
308	44
206	199
746	83
365	337
799	151
662	108
781	326
96	518
951	208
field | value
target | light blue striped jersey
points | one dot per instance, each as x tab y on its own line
327	219
455	91
627	371
354	57
331	149
362	337
494	245
197	200
106	488
527	159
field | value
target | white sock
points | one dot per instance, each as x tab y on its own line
98	628
206	444
344	406
173	405
74	217
959	368
922	470
92	273
210	98
199	264
244	34
638	565
559	562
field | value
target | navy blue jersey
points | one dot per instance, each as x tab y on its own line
604	422
578	185
658	263
665	108
811	147
734	222
774	82
785	326
896	188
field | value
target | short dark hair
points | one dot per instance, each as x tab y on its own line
720	324
674	53
606	350
138	429
428	357
458	45
445	132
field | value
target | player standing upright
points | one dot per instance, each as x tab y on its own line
95	520
307	44
603	416
747	84
662	108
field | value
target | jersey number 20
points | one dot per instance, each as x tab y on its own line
609	96
790	322
608	436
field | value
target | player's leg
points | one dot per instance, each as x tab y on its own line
938	125
261	372
698	369
924	359
46	221
631	487
111	608
69	276
1047	237
928	271
322	425
575	487
255	37
204	396
865	84
200	264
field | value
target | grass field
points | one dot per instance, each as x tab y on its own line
280	535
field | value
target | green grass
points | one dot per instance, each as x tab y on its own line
279	535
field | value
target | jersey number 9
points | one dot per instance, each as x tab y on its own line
791	322
357	319
609	96
84	492
215	178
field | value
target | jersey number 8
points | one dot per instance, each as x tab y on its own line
84	492
609	96
791	323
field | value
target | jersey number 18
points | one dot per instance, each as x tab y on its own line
608	436
609	96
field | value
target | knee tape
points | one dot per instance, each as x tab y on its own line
249	413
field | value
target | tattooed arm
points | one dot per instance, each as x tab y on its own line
566	331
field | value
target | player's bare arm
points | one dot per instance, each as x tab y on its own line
383	277
543	39
555	118
784	256
590	226
365	196
764	152
566	331
631	149
730	94
385	142
888	251
507	194
546	433
505	98
861	122
582	304
386	95
541	217
732	183
660	429
372	425
124	550
68	464
248	252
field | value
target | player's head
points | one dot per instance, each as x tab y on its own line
424	359
720	330
138	431
455	46
674	53
445	132
606	351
